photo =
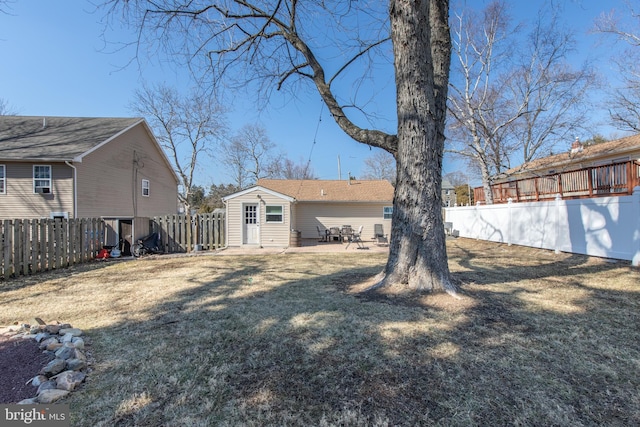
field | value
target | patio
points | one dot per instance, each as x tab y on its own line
308	245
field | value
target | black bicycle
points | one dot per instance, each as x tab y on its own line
147	245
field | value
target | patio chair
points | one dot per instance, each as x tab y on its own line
323	235
356	238
448	228
379	236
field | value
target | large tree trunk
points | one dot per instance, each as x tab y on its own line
422	50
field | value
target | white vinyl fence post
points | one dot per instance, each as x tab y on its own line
635	261
557	228
510	224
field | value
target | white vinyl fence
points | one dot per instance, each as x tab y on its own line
606	227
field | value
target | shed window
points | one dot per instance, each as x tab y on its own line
41	179
3	180
145	187
387	212
274	213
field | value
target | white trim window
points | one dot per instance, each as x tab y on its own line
3	179
145	187
387	212
42	179
274	213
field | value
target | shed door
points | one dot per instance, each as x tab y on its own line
251	224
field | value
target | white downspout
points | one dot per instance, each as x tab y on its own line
75	189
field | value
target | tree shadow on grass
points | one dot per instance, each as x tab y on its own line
269	342
526	264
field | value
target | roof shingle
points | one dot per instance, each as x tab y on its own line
55	138
331	190
619	146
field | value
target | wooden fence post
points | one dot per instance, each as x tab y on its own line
17	252
8	237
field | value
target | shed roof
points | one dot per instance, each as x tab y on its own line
57	138
313	190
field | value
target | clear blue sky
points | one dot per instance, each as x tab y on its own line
55	63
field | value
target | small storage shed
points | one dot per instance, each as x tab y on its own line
277	213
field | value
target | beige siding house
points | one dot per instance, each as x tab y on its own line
579	156
72	167
274	212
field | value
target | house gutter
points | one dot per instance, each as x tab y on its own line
75	189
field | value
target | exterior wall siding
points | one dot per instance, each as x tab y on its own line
327	215
110	179
20	201
270	234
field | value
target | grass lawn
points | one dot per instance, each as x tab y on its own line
289	340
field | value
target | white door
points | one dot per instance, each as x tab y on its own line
251	224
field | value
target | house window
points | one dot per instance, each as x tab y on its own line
59	215
41	179
387	212
145	187
3	180
274	213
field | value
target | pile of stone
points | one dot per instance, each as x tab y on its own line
67	370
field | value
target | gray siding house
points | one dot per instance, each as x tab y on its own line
267	214
73	167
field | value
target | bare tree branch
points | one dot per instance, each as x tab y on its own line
186	127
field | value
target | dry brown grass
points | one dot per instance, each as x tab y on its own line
289	340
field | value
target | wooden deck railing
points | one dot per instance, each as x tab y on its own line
614	179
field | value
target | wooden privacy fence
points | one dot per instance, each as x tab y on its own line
183	233
32	245
615	179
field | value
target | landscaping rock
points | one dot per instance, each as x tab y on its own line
52	329
61	375
73	331
54	346
38	379
46	342
76	364
40	336
66	338
80	355
54	367
47	385
78	343
50	396
67	351
68	380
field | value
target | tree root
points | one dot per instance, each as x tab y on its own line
382	281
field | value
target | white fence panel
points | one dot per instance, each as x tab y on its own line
606	227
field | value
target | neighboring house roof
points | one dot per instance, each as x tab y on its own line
618	147
57	138
446	185
313	190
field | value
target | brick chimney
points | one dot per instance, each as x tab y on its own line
577	146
